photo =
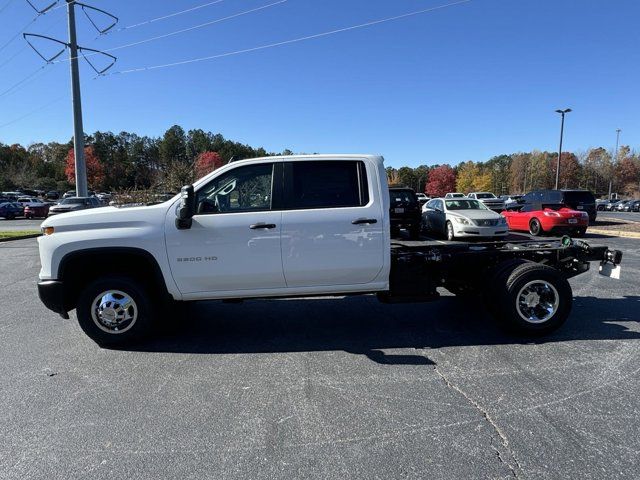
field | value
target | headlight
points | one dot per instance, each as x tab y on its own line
47	230
461	220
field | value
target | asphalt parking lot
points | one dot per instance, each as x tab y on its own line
20	224
331	388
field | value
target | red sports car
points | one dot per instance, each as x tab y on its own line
547	218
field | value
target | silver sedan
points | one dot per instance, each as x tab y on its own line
462	218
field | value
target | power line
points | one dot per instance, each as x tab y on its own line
6	44
2	9
170	34
295	40
36	110
164	17
20	82
25	46
39	13
63	4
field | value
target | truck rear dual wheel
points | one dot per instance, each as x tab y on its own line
115	311
530	298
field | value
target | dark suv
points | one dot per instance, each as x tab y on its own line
405	211
582	200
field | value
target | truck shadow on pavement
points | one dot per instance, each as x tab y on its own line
363	326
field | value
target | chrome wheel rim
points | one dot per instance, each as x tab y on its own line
114	311
537	301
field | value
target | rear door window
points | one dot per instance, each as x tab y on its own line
325	184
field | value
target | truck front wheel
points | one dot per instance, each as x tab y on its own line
115	311
534	300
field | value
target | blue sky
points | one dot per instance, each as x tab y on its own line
462	83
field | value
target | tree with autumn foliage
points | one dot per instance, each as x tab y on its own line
468	172
94	168
442	179
569	170
207	162
628	174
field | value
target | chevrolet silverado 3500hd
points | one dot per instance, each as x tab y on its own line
287	226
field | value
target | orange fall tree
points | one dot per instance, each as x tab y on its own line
95	169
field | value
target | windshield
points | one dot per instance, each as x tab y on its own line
554	206
465	205
72	201
485	195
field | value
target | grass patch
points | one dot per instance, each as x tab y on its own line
18	233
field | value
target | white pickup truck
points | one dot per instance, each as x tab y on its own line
281	227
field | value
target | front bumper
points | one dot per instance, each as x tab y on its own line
52	294
475	231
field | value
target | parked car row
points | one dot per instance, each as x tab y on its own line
483	215
631	205
39	204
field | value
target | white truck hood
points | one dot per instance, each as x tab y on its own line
108	217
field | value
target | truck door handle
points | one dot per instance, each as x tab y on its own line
361	221
257	226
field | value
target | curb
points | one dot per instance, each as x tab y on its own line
11	239
614	233
618	220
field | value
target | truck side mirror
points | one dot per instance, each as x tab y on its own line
186	209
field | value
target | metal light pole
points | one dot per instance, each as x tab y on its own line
74	48
615	157
78	131
561	112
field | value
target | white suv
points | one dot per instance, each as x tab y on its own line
489	199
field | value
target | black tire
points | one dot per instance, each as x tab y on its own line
550	294
10	216
129	332
499	276
414	232
535	228
448	231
